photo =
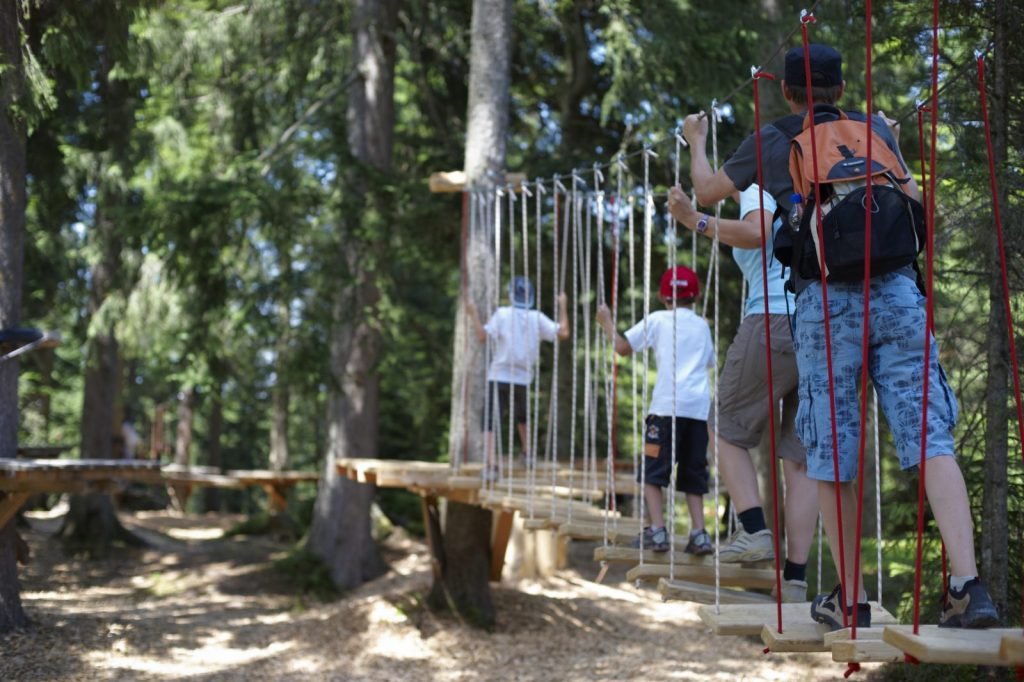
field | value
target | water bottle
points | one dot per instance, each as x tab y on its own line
796	213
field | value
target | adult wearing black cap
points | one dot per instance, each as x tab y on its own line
897	336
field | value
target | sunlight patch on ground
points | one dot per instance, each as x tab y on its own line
210	658
195	533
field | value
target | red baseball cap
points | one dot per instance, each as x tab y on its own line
683	280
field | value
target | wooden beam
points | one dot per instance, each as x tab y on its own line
631	555
1011	649
750	619
455	181
502	532
730	575
950	645
10	503
681	590
800	633
867	648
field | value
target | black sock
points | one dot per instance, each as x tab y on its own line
753	520
793	571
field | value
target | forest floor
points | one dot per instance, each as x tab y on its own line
201	606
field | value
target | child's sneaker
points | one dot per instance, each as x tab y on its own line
700	544
793	591
744	547
827	609
491	473
970	607
653	538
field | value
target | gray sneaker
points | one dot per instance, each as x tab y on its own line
793	591
700	544
827	609
971	607
744	547
651	538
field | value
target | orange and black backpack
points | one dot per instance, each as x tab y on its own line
897	221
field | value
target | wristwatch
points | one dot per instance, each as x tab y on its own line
702	224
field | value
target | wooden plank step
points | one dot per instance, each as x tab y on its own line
730	575
867	648
803	634
749	620
1011	649
950	645
620	530
681	590
631	555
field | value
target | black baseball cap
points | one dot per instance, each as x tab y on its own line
826	66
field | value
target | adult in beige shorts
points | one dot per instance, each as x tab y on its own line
743	388
743	408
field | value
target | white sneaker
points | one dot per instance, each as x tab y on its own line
744	547
793	591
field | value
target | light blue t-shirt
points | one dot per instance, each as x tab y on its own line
749	261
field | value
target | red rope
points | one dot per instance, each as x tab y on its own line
804	20
757	76
930	316
1002	257
867	324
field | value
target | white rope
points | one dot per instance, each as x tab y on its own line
648	224
577	229
670	526
612	359
818	589
559	189
512	386
878	498
495	427
534	324
586	248
535	432
634	385
713	265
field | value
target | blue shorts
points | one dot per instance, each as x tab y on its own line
895	363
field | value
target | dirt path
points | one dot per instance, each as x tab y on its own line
202	607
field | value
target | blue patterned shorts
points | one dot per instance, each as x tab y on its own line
895	363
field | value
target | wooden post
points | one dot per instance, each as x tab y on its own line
432	528
277	491
10	503
502	532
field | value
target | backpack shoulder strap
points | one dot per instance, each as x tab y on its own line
790	126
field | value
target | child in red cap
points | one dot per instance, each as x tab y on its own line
683	352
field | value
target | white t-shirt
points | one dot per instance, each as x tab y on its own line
694	354
749	261
516	335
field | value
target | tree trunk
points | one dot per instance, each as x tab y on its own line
467	528
341	534
466	565
91	523
157	441
12	229
183	433
280	395
214	451
995	531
